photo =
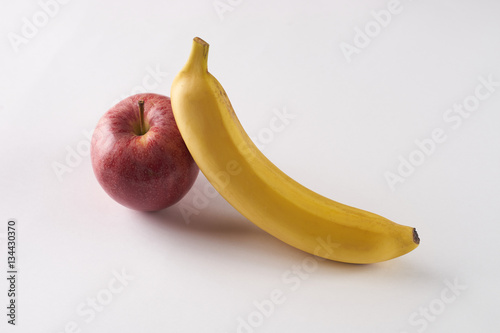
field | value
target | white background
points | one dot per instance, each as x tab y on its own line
355	118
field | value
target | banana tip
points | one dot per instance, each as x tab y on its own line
200	41
416	239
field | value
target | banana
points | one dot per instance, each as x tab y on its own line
263	193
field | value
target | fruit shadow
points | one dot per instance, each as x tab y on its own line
231	234
221	228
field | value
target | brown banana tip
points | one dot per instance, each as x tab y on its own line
416	239
200	41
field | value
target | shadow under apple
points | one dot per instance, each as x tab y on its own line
229	233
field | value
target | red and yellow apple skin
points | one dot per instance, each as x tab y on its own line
145	172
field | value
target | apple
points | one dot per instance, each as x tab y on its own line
138	155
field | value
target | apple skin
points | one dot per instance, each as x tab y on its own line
143	172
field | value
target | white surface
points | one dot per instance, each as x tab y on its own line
352	122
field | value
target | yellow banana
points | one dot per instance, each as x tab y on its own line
263	193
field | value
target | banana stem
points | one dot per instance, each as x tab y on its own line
198	59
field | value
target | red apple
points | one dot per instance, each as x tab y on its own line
139	156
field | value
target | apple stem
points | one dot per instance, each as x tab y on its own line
141	118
